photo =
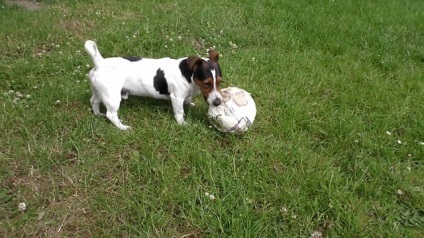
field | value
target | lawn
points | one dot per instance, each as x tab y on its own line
336	150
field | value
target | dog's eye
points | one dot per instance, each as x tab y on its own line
206	85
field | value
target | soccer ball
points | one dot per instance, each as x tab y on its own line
236	112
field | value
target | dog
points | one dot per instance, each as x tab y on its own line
177	80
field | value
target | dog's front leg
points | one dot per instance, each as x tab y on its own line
178	108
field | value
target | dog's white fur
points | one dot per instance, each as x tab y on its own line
111	75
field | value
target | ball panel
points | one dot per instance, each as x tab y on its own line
236	113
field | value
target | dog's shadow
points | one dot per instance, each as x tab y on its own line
163	109
158	108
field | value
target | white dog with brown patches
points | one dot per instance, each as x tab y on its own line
173	79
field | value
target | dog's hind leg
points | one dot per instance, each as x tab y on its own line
112	106
113	117
95	104
95	100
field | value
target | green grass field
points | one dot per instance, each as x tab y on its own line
337	148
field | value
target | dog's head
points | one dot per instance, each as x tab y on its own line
207	75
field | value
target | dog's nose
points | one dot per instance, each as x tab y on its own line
217	102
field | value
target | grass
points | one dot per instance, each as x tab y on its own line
336	148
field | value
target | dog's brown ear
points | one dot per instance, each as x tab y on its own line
193	62
213	55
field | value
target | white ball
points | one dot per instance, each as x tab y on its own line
22	206
236	112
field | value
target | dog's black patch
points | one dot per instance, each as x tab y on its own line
132	58
185	71
159	82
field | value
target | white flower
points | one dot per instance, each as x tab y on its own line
284	210
234	46
316	234
19	95
28	96
388	133
57	102
210	196
399	192
399	142
421	143
22	206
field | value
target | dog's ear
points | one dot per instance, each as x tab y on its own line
193	62
213	55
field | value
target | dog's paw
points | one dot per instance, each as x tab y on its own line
182	123
125	127
180	120
188	101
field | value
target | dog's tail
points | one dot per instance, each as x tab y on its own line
91	48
